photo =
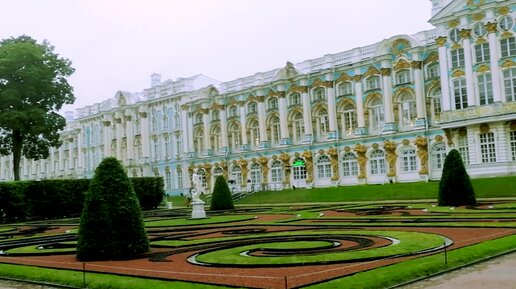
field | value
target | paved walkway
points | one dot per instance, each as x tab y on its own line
499	273
20	285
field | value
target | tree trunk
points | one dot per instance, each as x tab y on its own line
17	151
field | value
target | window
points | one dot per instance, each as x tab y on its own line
154	126
407	108
487	147
236	175
299	171
298	125
485	89
512	139
345	88
403	76
137	125
254	133
216	139
234	136
199	141
349	119
462	146
295	99
217	172
435	96
457	58
318	94
168	179
179	173
272	103
322	122
433	71
323	167
438	155
505	23
408	158
166	143
349	165
455	35
215	115
460	93
373	82
155	149
256	173
508	47
377	115
276	172
198	118
165	123
482	52
252	107
377	162
509	81
202	175
233	111
479	29
274	130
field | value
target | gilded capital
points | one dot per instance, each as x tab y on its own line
453	23
491	27
465	33
441	40
417	64
357	78
385	71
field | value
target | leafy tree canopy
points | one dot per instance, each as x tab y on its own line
33	87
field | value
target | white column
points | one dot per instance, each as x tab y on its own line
282	106
129	137
224	128
387	98
184	130
144	122
359	92
207	132
332	107
243	126
307	114
493	60
70	153
443	72
80	157
468	63
420	88
119	136
261	123
190	130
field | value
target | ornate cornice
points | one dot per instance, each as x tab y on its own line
483	68
458	73
357	78
504	10
256	98
401	64
404	89
216	106
386	71
299	89
480	40
276	93
319	83
453	23
433	57
478	16
441	40
343	78
371	71
508	63
417	64
506	34
456	46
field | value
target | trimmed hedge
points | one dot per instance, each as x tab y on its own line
64	198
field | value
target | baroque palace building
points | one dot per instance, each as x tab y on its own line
388	112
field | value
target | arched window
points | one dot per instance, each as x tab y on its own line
154	125
168	179
373	82
407	111
299	169
318	94
298	127
202	175
165	123
509	80
233	111
294	99
198	118
136	123
408	159
322	124
253	133
349	165
435	103
274	131
166	144
179	174
217	172
199	141
432	71
236	175
377	162
215	115
376	115
138	148
252	107
276	171
216	140
348	119
345	88
256	174
323	167
438	155
272	103
234	136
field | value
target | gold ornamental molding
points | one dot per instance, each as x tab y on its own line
344	77
508	63
319	83
481	40
347	149
439	138
256	98
458	73
504	10
401	64
491	27
298	89
506	35
233	102
441	40
371	71
404	89
478	16
465	33
343	101
453	23
276	93
216	106
416	64
184	107
456	46
357	77
405	142
433	57
399	45
386	71
484	128
483	68
202	110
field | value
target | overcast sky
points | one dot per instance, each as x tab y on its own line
117	44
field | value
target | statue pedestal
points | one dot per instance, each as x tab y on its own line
198	210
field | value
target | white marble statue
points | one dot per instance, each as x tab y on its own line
197	186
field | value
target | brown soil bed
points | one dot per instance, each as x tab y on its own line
176	267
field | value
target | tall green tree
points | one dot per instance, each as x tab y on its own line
33	87
455	188
221	197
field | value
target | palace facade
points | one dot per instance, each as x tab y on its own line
388	112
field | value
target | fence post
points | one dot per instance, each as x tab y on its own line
445	255
84	275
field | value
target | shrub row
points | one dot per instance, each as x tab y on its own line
48	199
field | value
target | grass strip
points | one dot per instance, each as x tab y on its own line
421	267
203	221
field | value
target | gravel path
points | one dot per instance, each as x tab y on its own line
4	284
499	273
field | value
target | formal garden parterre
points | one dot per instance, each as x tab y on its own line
282	246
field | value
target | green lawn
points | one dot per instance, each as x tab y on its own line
484	188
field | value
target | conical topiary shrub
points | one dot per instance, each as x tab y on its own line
111	225
455	188
221	197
